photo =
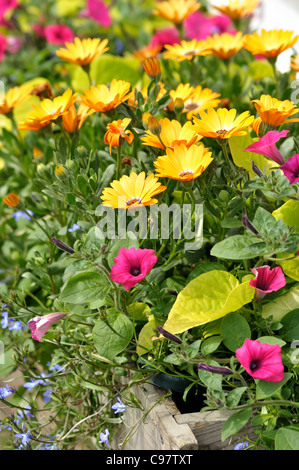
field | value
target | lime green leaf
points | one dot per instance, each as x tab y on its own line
278	308
291	267
243	159
104	69
260	69
145	336
207	298
289	213
112	335
235	423
139	311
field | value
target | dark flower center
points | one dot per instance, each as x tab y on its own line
254	365
135	271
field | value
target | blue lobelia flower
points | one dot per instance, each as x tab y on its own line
5	391
75	227
22	215
104	437
119	407
25	438
241	445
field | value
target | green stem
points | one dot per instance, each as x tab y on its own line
119	169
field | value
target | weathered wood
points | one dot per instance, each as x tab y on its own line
154	427
207	427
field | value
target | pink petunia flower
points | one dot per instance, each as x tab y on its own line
291	169
6	5
267	281
165	36
266	146
131	266
98	11
58	34
14	44
199	26
3	45
40	325
39	30
261	360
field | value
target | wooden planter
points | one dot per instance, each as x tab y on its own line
159	425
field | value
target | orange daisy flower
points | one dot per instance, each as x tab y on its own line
270	44
83	52
116	131
12	200
222	123
14	97
274	112
224	46
186	50
74	119
172	134
237	9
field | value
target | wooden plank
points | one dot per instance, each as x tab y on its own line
154	427
207	427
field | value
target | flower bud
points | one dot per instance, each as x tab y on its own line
168	335
62	246
214	369
154	126
246	222
145	118
152	68
256	170
178	105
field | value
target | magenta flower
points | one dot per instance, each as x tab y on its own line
266	146
39	30
3	45
58	34
165	36
6	5
267	281
98	11
14	44
261	360
40	325
291	169
199	26
131	266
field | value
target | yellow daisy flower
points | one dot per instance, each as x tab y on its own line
83	52
117	130
132	191
274	112
172	134
183	163
269	44
48	111
222	123
74	119
224	46
176	11
103	99
237	9
14	97
200	99
186	50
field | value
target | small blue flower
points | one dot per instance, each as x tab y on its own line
241	445
104	437
25	438
16	326
34	382
5	320
22	215
75	227
48	395
119	407
5	391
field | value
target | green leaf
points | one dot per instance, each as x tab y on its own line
234	397
235	423
240	247
268	389
291	267
234	331
112	335
94	240
208	297
145	336
211	380
272	340
287	438
139	311
202	268
84	288
210	345
290	330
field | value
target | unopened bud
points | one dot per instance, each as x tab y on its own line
256	170
178	105
62	246
246	222
154	126
145	118
214	369
168	335
152	68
